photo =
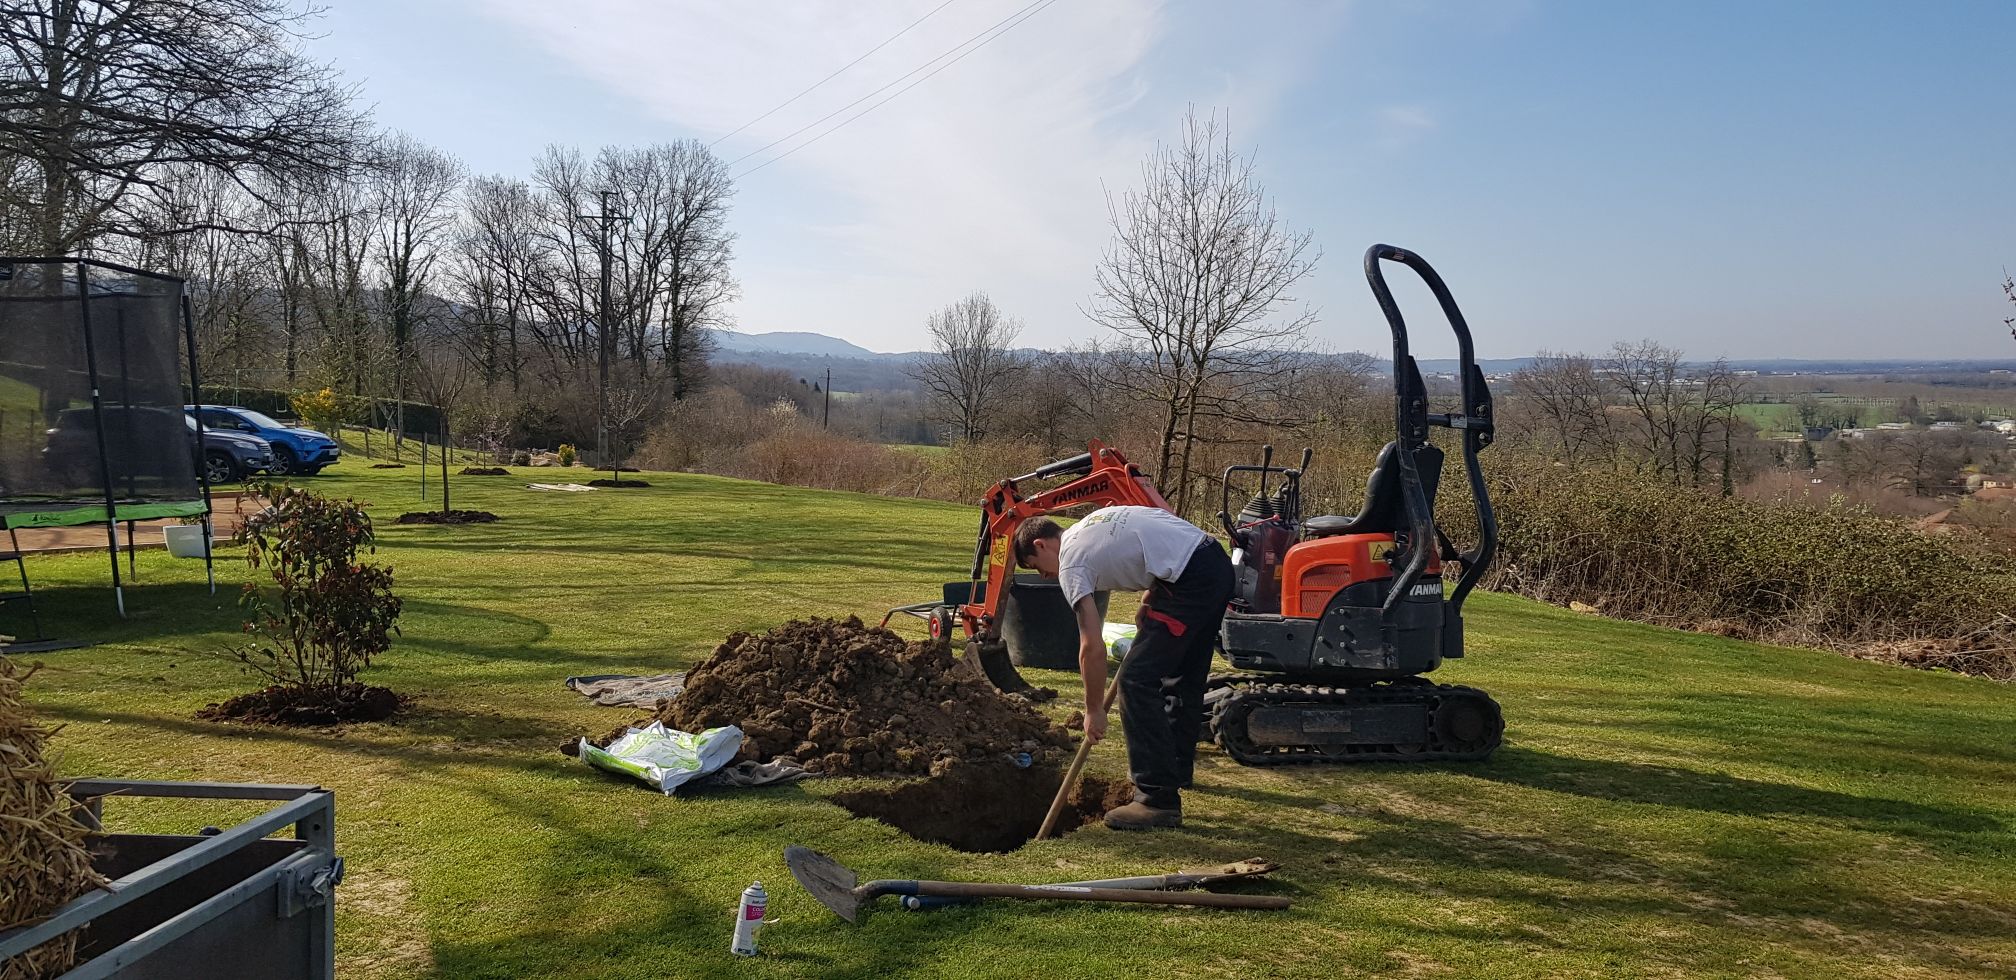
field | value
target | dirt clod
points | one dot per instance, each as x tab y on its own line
388	466
845	698
484	471
291	705
618	484
985	807
447	517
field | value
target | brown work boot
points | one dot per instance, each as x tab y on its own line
1141	816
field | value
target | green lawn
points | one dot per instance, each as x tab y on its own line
1665	804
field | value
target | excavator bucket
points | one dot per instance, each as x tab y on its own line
989	661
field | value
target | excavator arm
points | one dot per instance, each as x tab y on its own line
1105	479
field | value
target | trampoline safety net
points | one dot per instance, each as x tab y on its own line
91	396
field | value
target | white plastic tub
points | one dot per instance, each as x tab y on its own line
185	540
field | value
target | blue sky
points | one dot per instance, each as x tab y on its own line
1756	179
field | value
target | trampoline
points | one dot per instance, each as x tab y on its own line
92	429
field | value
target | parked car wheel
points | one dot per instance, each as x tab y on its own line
219	467
284	461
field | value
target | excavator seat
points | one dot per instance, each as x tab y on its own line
1385	509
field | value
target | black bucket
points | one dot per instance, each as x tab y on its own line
1039	626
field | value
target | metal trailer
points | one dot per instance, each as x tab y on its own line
223	905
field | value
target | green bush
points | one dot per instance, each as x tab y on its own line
327	614
1834	576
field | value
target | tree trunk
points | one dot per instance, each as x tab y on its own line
444	464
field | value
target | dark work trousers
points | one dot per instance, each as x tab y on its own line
1162	684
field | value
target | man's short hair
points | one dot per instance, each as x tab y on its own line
1031	532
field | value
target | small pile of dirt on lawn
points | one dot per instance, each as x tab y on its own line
844	698
618	484
447	517
292	705
388	466
484	471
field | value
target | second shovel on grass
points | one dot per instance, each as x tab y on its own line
839	889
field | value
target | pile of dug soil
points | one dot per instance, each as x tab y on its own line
484	471
618	484
292	705
388	466
447	517
844	698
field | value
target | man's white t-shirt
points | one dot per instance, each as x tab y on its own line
1124	549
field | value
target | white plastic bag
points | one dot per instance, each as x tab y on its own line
1119	637
664	757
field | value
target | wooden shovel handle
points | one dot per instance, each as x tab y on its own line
1078	761
1077	893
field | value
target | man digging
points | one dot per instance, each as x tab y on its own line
1188	580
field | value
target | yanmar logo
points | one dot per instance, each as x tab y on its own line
1426	588
1080	493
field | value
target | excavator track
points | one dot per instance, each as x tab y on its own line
1259	723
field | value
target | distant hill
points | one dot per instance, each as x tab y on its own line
856	368
791	342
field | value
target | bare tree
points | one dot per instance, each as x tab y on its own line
2009	290
413	195
99	97
444	380
1923	464
496	263
225	270
669	255
333	246
633	403
674	252
1190	285
1649	377
971	364
1709	423
1565	398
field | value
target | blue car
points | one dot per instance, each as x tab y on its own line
296	451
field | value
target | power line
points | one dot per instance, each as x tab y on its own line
982	38
836	74
892	97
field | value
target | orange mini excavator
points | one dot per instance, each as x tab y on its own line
1335	619
1007	618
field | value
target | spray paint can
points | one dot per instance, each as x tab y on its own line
749	918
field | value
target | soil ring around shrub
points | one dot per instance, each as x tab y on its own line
388	466
617	484
283	704
447	517
484	471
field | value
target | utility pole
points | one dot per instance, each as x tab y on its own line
827	416
605	338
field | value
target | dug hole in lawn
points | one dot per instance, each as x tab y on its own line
845	699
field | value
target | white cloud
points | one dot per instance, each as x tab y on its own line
1400	126
986	176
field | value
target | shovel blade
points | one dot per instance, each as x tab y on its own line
828	880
